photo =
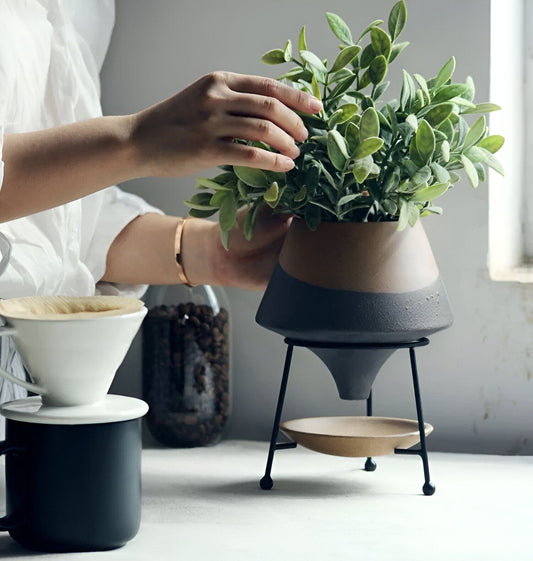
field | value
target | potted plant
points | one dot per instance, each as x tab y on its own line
356	265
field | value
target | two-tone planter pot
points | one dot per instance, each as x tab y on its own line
355	283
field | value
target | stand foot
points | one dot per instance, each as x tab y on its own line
266	483
370	465
428	488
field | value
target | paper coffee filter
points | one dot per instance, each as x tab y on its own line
68	307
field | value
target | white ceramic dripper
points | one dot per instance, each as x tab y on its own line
72	358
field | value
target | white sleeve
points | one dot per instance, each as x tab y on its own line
6	79
104	215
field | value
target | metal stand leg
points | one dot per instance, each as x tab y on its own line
428	487
370	464
266	482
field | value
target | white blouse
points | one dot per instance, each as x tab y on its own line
51	52
50	55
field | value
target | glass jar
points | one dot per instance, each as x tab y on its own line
186	364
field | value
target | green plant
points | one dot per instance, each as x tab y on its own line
364	159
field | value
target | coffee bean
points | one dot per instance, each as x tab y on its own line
186	373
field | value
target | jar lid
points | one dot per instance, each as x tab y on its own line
112	409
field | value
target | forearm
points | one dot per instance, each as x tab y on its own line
144	251
47	168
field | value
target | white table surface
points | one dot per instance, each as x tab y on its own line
205	504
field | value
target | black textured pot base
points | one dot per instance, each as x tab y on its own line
306	312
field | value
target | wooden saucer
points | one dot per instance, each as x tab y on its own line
354	436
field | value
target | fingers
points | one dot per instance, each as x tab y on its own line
250	156
250	128
263	109
292	97
271	109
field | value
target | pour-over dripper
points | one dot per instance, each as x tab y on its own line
72	356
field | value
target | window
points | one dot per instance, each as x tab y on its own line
510	202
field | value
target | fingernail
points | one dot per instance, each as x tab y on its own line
315	104
288	164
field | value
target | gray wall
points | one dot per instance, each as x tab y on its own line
475	377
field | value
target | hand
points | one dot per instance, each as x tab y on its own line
195	128
247	264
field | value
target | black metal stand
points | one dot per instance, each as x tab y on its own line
428	488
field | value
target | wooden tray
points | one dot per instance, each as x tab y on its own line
354	436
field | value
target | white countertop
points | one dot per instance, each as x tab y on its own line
204	504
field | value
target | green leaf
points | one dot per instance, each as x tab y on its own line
480	170
345	57
348	198
421	176
296	74
351	135
440	173
412	121
339	28
445	73
343	114
302	43
251	176
425	141
375	23
378	69
423	86
482	108
249	221
379	90
389	206
492	143
407	94
397	19
218	198
342	86
448	92
429	193
470	171
206	183
315	88
361	168
475	155
271	194
201	201
275	56
367	56
194	212
403	220
368	147
369	125
313	60
397	48
475	133
301	194
337	149
224	238
381	42
228	213
438	113
242	188
287	52
493	162
365	80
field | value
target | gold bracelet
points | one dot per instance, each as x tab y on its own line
177	248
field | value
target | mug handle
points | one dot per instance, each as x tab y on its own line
9	522
28	385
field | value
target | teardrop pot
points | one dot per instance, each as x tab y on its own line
355	283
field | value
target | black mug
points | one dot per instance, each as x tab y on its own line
72	487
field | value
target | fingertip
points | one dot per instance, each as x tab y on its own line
315	105
286	164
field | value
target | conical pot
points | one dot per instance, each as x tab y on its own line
355	283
